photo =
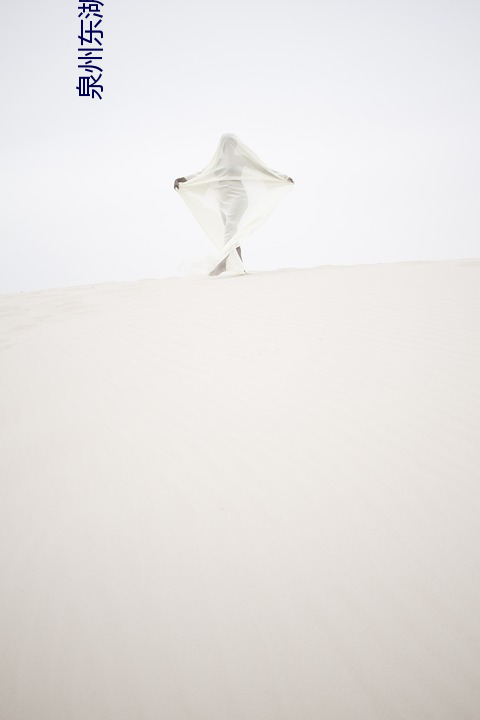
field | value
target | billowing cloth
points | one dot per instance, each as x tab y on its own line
232	196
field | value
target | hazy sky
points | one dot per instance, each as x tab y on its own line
373	107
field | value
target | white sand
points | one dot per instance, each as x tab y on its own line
249	498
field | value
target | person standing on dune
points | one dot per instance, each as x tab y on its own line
234	182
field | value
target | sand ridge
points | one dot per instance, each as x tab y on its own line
251	497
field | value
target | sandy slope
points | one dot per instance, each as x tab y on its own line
250	498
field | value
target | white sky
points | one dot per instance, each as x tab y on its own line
373	107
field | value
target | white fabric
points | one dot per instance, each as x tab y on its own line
232	196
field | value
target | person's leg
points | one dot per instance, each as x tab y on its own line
222	266
231	213
219	269
239	206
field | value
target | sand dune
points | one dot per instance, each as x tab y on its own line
250	497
